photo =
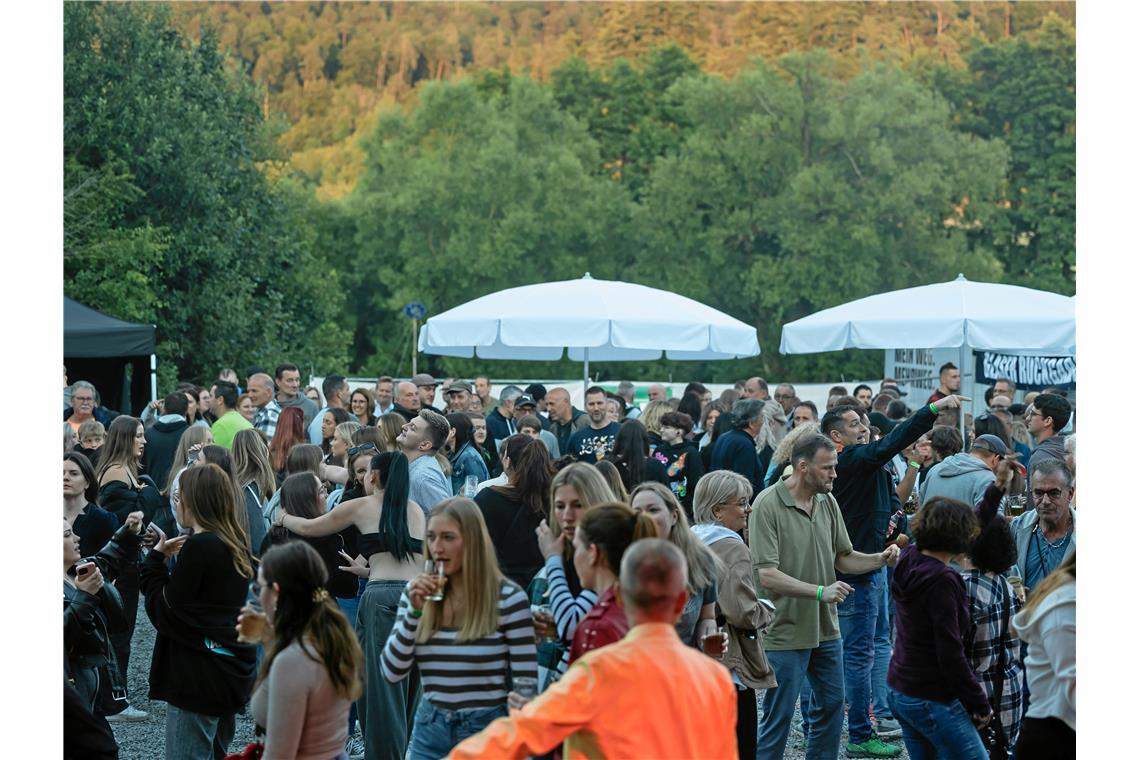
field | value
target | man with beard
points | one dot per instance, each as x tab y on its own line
592	443
798	541
865	490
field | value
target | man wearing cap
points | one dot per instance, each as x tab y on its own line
527	405
965	476
425	389
458	396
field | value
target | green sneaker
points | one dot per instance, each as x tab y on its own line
873	747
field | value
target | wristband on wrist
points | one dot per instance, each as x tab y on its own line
933	409
413	612
819	594
914	464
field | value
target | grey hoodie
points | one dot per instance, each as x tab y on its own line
961	477
1051	448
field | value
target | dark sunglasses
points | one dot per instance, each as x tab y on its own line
366	446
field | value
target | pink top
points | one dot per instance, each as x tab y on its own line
303	716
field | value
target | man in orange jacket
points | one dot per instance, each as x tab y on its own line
600	706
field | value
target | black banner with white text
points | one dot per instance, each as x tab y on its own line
1031	373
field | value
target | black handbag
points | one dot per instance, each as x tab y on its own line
993	735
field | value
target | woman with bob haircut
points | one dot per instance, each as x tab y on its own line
513	512
699	618
468	647
311	670
932	689
721	506
600	540
391	554
574	490
992	646
199	667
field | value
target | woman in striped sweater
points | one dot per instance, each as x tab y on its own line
470	648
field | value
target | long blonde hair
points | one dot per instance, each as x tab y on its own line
1066	572
481	581
191	436
703	564
783	454
251	462
587	482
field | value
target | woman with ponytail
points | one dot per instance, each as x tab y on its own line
311	670
199	667
512	512
391	554
602	536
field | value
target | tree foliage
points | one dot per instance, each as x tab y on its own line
285	198
170	218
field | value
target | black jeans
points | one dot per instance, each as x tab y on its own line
1045	739
127	584
746	722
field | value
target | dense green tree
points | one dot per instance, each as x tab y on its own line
192	233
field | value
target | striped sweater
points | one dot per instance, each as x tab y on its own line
469	674
568	609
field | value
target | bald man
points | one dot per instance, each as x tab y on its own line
260	389
657	392
407	401
755	387
598	708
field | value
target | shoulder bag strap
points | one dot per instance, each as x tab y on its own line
999	687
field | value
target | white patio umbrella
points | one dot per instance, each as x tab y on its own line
599	320
967	315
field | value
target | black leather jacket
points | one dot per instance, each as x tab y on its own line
90	619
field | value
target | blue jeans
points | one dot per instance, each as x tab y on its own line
194	736
858	619
349	608
823	667
936	729
884	627
437	730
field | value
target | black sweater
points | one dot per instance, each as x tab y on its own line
161	444
198	664
511	525
864	485
684	467
341	584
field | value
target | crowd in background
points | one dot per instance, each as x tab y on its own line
420	569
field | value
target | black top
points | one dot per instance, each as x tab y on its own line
651	470
684	466
161	445
198	664
511	525
341	584
736	450
590	445
374	543
94	526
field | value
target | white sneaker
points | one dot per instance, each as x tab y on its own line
130	715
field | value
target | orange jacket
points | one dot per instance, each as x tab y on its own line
646	696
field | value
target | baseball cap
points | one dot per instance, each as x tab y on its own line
990	443
525	400
460	385
424	378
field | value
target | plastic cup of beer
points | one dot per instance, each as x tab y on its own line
545	614
525	686
252	622
715	644
435	568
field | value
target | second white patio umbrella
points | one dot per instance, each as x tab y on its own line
957	314
599	320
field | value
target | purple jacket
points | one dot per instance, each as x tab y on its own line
931	617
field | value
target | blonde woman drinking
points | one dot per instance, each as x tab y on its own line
472	646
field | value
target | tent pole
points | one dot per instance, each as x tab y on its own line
153	377
585	373
963	353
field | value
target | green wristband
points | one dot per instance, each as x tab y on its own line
413	612
933	409
914	464
819	594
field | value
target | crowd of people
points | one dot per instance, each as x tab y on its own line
370	575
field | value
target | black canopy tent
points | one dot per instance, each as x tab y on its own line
116	357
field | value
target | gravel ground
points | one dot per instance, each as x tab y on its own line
145	740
